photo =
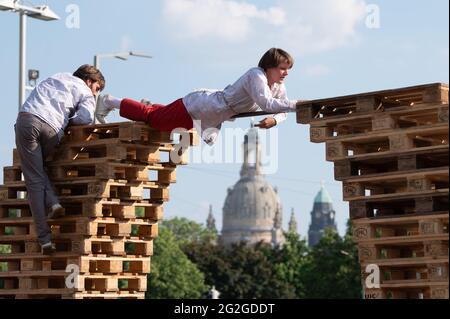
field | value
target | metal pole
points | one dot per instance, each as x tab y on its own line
22	57
96	61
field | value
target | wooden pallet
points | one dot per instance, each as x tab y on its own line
433	246
409	117
125	131
30	282
92	246
418	291
110	150
97	265
387	143
427	202
430	271
374	164
370	228
23	228
390	150
91	208
63	294
394	184
379	101
112	181
101	189
97	168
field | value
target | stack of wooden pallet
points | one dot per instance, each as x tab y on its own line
390	150
112	180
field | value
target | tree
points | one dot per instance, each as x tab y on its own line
290	263
173	275
333	271
240	271
187	263
187	231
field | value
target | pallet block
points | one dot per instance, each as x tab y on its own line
112	208
390	151
380	101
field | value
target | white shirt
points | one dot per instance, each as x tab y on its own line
59	99
250	93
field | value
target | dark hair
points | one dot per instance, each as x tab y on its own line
89	72
274	57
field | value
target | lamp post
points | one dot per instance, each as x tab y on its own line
118	55
37	12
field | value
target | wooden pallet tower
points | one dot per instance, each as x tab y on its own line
390	150
112	180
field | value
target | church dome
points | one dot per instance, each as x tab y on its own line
252	209
250	205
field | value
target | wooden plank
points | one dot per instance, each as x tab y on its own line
405	262
118	295
103	170
436	93
16	158
413	284
393	220
402	240
110	150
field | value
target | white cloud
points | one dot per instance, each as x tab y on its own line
302	26
321	25
224	19
316	70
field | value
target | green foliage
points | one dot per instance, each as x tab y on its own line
188	262
187	231
290	265
173	275
4	249
240	271
333	270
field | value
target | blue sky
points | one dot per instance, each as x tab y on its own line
209	44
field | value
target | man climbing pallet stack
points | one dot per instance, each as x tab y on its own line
97	179
104	241
390	150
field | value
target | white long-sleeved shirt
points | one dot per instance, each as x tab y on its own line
248	94
59	99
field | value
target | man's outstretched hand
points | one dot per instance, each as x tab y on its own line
267	123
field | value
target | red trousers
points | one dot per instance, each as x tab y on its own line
159	117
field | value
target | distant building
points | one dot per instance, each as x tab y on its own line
252	211
211	221
322	216
293	223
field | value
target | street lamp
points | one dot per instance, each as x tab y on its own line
118	55
43	13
